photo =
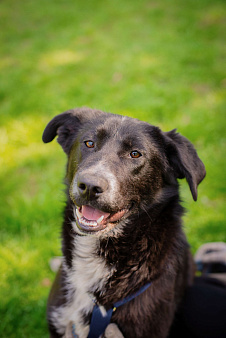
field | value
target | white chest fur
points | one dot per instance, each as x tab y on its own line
88	274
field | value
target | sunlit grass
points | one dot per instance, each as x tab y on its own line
160	61
20	140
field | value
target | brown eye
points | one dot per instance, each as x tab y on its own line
135	154
89	144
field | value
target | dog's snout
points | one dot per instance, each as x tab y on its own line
90	188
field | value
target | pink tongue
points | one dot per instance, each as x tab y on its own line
92	214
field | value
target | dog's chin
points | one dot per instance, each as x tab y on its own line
91	221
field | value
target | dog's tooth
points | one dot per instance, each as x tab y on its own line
87	222
79	215
100	219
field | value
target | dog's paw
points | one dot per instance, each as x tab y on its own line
112	331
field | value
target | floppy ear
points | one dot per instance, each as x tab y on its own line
184	160
64	125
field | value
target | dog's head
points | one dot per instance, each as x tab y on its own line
116	164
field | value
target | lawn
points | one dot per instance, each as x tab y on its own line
160	61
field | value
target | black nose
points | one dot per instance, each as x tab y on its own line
90	188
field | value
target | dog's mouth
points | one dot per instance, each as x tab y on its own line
89	219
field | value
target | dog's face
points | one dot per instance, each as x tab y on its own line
118	166
112	167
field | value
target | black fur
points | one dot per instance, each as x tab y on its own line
150	245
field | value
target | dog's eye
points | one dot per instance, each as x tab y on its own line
89	144
135	154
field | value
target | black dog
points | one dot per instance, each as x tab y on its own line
122	225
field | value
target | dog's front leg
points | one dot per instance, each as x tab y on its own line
112	331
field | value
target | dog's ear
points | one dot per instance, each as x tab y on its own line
184	160
66	126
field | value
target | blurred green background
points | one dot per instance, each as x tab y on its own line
160	61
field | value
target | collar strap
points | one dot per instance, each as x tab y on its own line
99	322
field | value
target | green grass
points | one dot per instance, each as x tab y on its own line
160	61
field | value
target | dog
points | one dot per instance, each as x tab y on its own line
122	228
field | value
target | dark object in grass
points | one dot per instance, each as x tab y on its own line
210	260
122	222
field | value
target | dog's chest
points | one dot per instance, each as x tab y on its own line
89	273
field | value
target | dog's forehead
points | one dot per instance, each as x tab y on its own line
121	128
